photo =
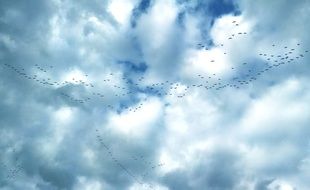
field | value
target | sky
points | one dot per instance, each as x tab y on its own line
154	94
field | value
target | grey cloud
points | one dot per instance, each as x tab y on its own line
218	170
263	185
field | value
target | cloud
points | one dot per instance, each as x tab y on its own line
154	95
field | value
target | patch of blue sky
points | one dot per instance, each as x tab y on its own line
138	11
211	10
214	8
131	67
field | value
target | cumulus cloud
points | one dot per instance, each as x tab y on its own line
154	94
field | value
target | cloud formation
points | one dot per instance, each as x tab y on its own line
154	94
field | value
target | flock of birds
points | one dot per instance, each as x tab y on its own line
12	167
149	167
250	70
166	88
131	86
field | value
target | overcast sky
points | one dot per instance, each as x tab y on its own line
154	94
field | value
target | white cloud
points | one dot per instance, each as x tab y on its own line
154	29
137	124
147	187
255	136
121	10
86	184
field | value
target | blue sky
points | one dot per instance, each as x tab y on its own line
154	94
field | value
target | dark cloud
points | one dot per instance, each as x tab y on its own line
218	170
263	185
23	22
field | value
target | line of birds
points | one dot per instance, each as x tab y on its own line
148	165
11	167
272	61
165	88
230	37
123	167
